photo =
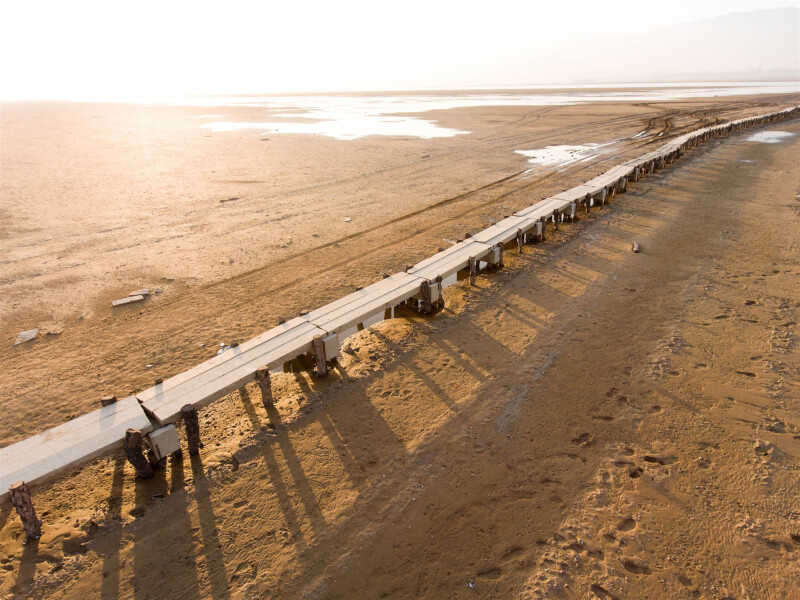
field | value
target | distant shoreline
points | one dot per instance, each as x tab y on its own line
792	85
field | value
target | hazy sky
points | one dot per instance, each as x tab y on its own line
53	49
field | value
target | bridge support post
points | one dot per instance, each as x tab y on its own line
265	385
192	425
21	500
473	270
135	454
440	301
319	355
425	292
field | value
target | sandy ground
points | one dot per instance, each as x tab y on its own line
587	422
148	184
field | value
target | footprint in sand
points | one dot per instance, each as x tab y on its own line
628	524
584	440
636	567
601	592
659	460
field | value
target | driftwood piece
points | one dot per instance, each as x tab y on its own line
319	355
192	425
425	292
473	270
265	385
135	455
21	500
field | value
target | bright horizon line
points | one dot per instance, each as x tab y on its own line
677	83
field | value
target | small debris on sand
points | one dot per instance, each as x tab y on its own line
128	300
26	336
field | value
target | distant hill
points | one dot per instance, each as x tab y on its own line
738	46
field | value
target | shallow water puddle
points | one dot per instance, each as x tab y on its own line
561	155
769	137
345	126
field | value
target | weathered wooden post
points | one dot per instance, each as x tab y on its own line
425	292
135	454
520	240
265	385
588	202
500	263
192	425
555	219
21	500
440	301
319	355
544	228
473	270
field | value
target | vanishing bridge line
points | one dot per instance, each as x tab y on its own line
144	422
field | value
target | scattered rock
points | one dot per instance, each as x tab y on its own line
26	336
347	219
763	448
776	427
